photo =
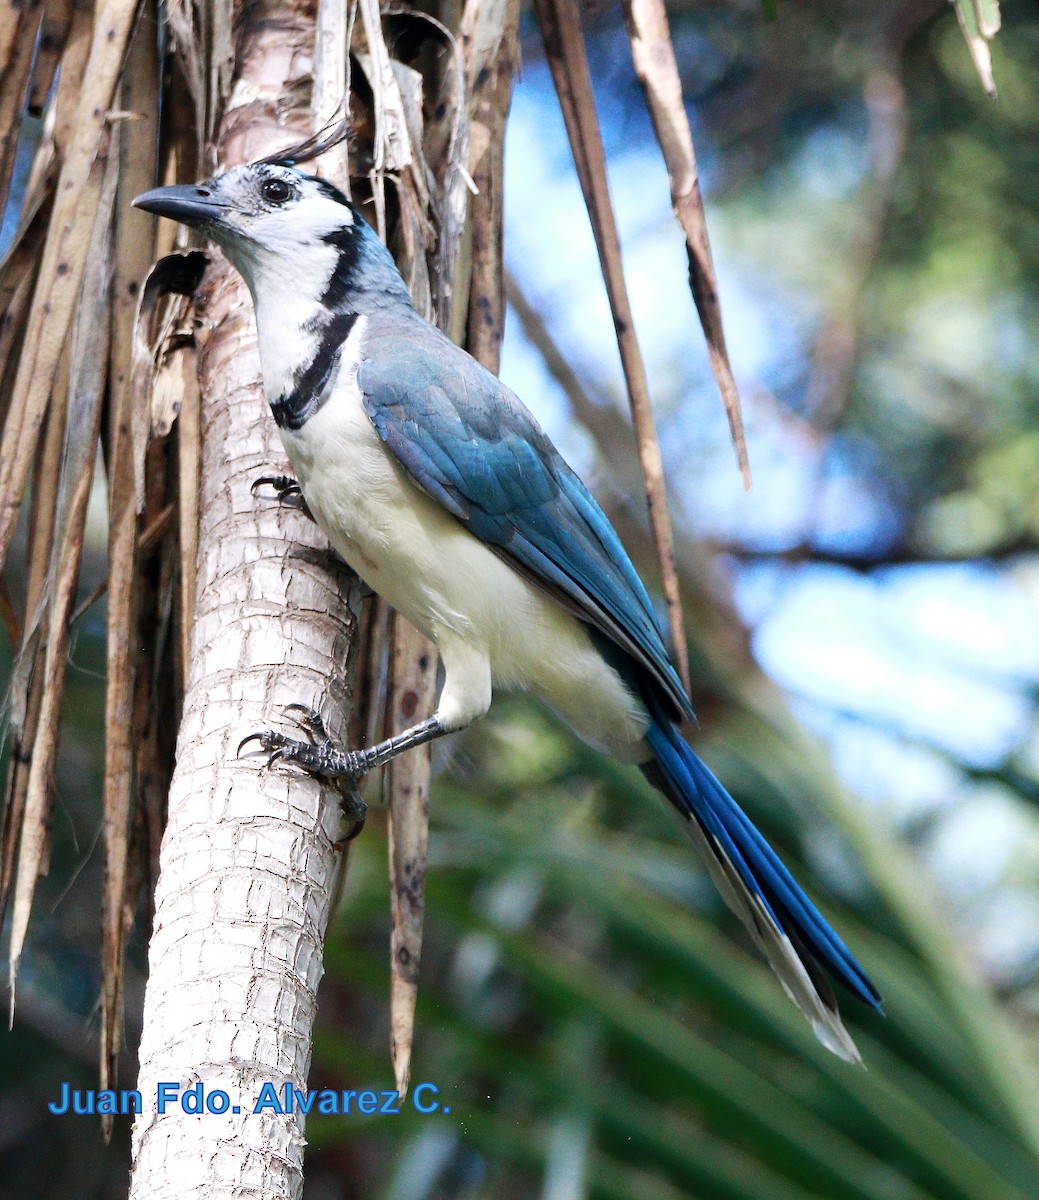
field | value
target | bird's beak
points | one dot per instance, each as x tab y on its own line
182	202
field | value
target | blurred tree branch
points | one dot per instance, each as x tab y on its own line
863	562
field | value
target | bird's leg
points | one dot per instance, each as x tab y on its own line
319	756
286	491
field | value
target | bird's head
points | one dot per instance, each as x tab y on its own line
283	228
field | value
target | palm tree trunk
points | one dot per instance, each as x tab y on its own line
247	862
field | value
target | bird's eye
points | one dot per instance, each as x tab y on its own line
277	191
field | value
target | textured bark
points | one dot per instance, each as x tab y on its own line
247	868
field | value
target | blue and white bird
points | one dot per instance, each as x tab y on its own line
439	488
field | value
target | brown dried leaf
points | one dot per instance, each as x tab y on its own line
189	451
491	52
20	265
9	616
154	353
442	151
187	40
26	687
10	16
13	320
564	47
416	234
167	389
134	239
133	244
180	274
57	21
64	260
220	17
329	103
17	783
484	26
410	85
23	253
19	40
655	65
370	683
392	147
412	695
88	355
39	575
152	533
70	73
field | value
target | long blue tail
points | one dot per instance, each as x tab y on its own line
784	923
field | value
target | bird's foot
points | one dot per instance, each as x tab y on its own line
319	757
287	492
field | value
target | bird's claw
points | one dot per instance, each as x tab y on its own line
286	491
319	757
309	720
359	811
281	485
275	745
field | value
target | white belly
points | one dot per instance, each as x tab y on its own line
493	628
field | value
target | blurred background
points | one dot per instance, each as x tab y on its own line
865	647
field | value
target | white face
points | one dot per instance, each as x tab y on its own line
297	241
304	251
263	210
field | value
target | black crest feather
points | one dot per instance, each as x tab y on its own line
333	134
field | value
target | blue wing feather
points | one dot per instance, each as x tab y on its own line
472	445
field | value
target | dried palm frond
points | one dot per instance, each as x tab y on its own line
655	65
564	47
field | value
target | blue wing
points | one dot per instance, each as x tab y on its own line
471	444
